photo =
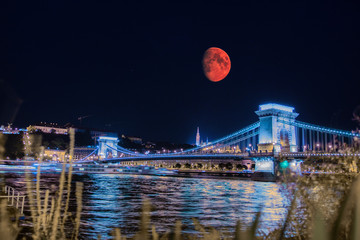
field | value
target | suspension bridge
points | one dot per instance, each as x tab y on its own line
277	133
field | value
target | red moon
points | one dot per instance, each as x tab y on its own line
216	64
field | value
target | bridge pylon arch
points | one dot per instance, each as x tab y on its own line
107	145
275	135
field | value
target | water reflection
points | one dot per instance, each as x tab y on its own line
111	201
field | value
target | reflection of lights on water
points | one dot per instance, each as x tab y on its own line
114	201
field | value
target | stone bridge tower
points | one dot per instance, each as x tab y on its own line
275	134
107	146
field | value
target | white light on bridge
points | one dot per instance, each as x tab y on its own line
276	106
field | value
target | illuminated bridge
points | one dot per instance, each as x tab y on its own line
276	133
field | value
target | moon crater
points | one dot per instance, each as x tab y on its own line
216	64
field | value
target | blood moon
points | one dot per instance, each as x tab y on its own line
216	64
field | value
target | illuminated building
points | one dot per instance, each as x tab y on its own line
49	128
55	155
9	130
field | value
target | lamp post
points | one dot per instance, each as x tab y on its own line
273	149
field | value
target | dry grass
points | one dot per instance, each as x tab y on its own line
49	214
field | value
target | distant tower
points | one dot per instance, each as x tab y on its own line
198	137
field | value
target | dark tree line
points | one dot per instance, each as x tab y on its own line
14	146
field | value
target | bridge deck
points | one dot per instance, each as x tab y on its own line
177	157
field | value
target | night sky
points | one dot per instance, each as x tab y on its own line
135	67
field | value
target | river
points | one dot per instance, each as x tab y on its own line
111	201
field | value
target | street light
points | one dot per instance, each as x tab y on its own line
304	147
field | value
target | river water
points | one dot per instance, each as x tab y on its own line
111	201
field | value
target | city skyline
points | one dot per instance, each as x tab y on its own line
136	70
55	128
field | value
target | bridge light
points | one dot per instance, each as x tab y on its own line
284	164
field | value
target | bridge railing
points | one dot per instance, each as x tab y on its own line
322	154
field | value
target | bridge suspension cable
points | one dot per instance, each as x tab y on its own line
236	140
124	151
320	138
318	128
233	138
93	152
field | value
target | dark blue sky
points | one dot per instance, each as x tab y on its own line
136	66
